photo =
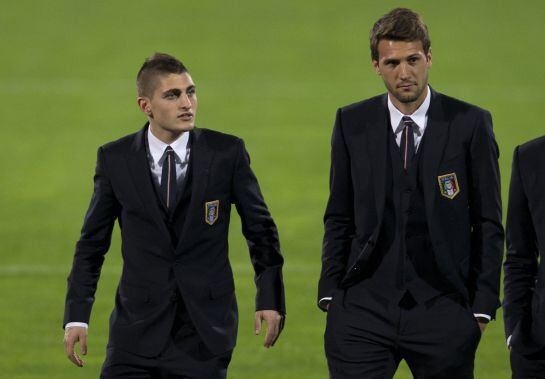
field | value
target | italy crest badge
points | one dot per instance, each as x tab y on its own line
211	211
448	185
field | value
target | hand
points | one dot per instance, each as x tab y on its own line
275	324
482	325
72	335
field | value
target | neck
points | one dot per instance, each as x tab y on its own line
165	136
411	107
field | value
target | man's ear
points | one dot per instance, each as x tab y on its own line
376	67
428	56
144	105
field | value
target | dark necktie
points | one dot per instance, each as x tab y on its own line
407	142
168	179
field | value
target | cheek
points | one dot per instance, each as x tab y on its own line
389	78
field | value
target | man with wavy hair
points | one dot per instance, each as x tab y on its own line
413	240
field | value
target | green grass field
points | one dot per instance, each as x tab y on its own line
272	73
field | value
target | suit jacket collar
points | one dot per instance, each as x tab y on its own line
201	158
437	132
377	139
138	163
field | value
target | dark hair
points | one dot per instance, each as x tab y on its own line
400	24
157	64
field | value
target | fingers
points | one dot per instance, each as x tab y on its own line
71	336
70	351
270	336
257	323
280	328
274	326
83	344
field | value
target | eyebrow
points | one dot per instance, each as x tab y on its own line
177	91
391	60
172	91
396	60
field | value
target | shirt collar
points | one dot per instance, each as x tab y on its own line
419	116
157	147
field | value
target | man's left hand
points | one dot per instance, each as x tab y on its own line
275	324
482	325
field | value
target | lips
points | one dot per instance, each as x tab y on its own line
186	116
406	85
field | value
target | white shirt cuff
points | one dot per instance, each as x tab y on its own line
482	315
509	340
80	324
323	301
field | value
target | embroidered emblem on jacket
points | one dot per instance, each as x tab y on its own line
211	211
448	185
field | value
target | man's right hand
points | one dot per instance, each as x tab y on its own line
72	335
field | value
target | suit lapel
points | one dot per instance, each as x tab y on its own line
182	186
201	156
137	161
377	138
435	136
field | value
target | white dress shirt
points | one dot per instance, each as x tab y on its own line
157	155
420	119
156	158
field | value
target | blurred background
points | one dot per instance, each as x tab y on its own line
273	73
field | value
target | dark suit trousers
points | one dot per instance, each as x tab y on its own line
528	366
184	356
367	335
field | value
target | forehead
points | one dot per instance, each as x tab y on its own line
390	49
173	81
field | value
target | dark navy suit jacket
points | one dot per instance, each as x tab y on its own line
155	268
466	231
524	284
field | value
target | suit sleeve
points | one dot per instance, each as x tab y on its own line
94	242
521	264
261	235
487	235
339	216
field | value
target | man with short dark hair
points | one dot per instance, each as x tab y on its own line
524	289
171	186
413	239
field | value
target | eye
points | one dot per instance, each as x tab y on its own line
191	92
391	64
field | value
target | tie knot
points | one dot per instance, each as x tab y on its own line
168	154
407	121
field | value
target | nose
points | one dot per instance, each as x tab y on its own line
184	101
403	71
